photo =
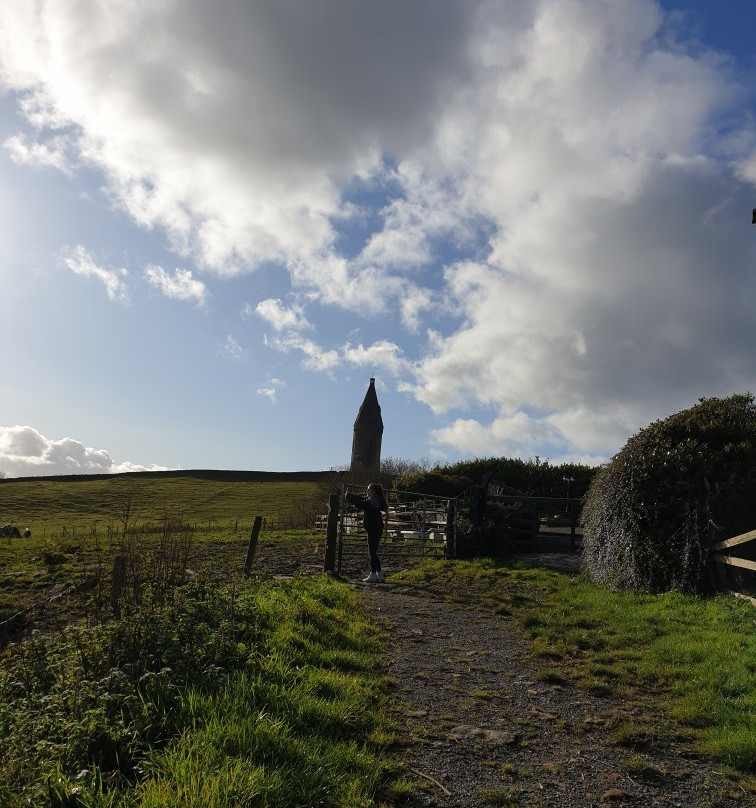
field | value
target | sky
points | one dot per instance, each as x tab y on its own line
529	220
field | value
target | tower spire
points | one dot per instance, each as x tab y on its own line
368	433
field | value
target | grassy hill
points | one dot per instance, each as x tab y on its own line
79	502
77	525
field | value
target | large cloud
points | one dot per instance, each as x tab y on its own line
588	168
25	452
619	284
232	125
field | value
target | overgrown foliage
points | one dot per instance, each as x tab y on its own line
533	477
676	487
393	467
218	697
433	483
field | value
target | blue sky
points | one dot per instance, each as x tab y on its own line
530	221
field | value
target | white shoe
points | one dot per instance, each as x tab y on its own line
371	579
381	577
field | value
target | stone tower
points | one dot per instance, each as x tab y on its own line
368	432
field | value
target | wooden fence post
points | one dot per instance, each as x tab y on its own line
329	564
252	548
449	532
118	585
573	523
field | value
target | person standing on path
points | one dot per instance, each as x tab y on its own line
373	506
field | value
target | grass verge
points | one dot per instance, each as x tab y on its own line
690	661
264	693
34	570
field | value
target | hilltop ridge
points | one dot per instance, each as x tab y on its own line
221	475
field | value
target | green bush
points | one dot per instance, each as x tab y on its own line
433	483
678	486
100	695
534	477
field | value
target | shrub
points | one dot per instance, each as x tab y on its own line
433	483
678	486
534	477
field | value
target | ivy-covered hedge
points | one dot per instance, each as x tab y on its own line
678	486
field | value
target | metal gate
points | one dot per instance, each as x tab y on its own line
418	526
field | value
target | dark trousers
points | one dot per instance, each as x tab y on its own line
374	537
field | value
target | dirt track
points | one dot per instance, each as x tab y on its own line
481	729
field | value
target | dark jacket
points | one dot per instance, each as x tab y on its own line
372	517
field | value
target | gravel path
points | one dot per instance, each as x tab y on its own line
481	729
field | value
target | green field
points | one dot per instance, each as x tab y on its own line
199	520
81	503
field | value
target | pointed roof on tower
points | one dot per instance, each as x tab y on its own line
369	415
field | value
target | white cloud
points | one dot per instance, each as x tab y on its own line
181	285
383	354
25	452
50	154
315	357
233	350
513	435
78	260
281	317
554	437
271	392
747	168
268	392
412	304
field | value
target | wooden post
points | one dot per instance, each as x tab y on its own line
118	585
329	564
573	523
450	549
535	521
251	549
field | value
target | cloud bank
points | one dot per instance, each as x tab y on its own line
25	452
564	189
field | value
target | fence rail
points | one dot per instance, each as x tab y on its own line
416	525
721	562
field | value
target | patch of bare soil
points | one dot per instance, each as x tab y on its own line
481	729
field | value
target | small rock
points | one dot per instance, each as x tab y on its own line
615	794
494	737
